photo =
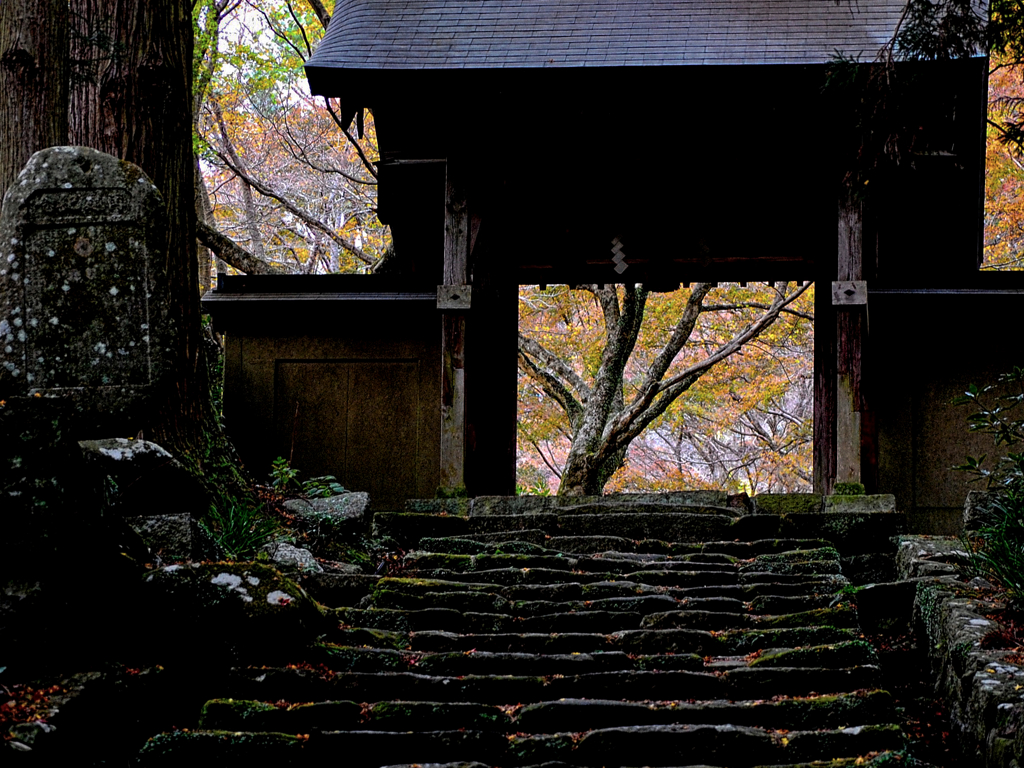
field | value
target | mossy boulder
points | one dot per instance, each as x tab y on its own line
243	610
333	522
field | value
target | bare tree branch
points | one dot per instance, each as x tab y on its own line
234	254
302	29
556	365
312	221
554	470
321	12
552	387
655	397
370	167
251	223
753	305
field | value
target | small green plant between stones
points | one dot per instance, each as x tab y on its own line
540	488
458	492
284	477
848	489
239	529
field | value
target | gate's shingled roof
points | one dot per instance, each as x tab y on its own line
490	34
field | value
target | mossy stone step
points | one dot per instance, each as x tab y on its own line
668	526
410	528
582	621
462	546
647	507
586	545
535	642
514	583
177	748
419	561
398	620
829	711
790	603
475	662
846	654
632	641
609	563
572	715
503	576
532	535
842	616
730	745
662	745
269	684
407	528
481	602
792	567
746	550
733	641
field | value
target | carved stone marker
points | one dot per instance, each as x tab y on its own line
83	283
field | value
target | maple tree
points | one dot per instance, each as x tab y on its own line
285	185
619	385
1004	173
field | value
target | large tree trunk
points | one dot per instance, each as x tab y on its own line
138	107
33	81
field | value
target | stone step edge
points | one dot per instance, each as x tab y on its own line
744	746
842	710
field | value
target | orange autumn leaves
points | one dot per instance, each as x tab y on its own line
744	426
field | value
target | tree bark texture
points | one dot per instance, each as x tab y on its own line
136	104
134	101
33	81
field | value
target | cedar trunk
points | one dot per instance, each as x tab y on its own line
134	101
33	81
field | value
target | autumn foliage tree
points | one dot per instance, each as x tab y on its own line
285	185
612	389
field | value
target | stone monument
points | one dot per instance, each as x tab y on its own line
84	304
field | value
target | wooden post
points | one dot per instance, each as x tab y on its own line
824	382
849	296
453	328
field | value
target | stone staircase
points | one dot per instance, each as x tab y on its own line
607	633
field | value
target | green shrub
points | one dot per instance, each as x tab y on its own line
282	476
996	549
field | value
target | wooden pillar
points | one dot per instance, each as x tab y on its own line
824	381
849	297
454	299
492	400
